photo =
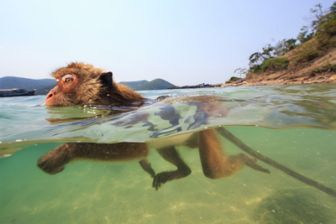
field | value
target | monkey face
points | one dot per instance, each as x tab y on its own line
63	92
84	84
68	83
79	84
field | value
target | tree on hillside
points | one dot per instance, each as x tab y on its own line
284	46
258	57
326	28
268	51
304	35
240	71
255	58
333	8
317	12
322	29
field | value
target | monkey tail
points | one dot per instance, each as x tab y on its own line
313	183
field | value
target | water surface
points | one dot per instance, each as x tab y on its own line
294	125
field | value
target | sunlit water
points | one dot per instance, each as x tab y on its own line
293	125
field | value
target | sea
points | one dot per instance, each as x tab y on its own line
289	130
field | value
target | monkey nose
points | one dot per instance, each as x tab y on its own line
50	94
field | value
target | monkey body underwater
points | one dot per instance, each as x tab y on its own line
84	84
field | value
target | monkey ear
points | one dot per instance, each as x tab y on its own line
106	79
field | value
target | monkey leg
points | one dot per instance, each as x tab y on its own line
146	166
215	162
171	155
54	161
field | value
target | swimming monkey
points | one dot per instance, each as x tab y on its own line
84	84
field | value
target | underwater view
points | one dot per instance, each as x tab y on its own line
285	136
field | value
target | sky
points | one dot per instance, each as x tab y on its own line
182	41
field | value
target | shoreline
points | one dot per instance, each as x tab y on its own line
328	78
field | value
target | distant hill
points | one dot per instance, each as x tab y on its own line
137	85
155	84
308	58
42	86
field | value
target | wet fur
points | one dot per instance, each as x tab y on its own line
93	88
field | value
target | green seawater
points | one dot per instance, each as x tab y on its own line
293	125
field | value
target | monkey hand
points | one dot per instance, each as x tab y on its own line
54	161
162	178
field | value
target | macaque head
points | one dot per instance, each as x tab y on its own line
80	84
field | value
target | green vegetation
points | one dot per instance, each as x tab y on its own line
306	53
272	64
311	42
304	35
234	79
326	29
325	68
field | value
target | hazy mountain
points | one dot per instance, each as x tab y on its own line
137	85
42	86
155	84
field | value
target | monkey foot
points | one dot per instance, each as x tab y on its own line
163	177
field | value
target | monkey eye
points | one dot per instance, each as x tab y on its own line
67	78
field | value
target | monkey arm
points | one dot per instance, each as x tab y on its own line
55	160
